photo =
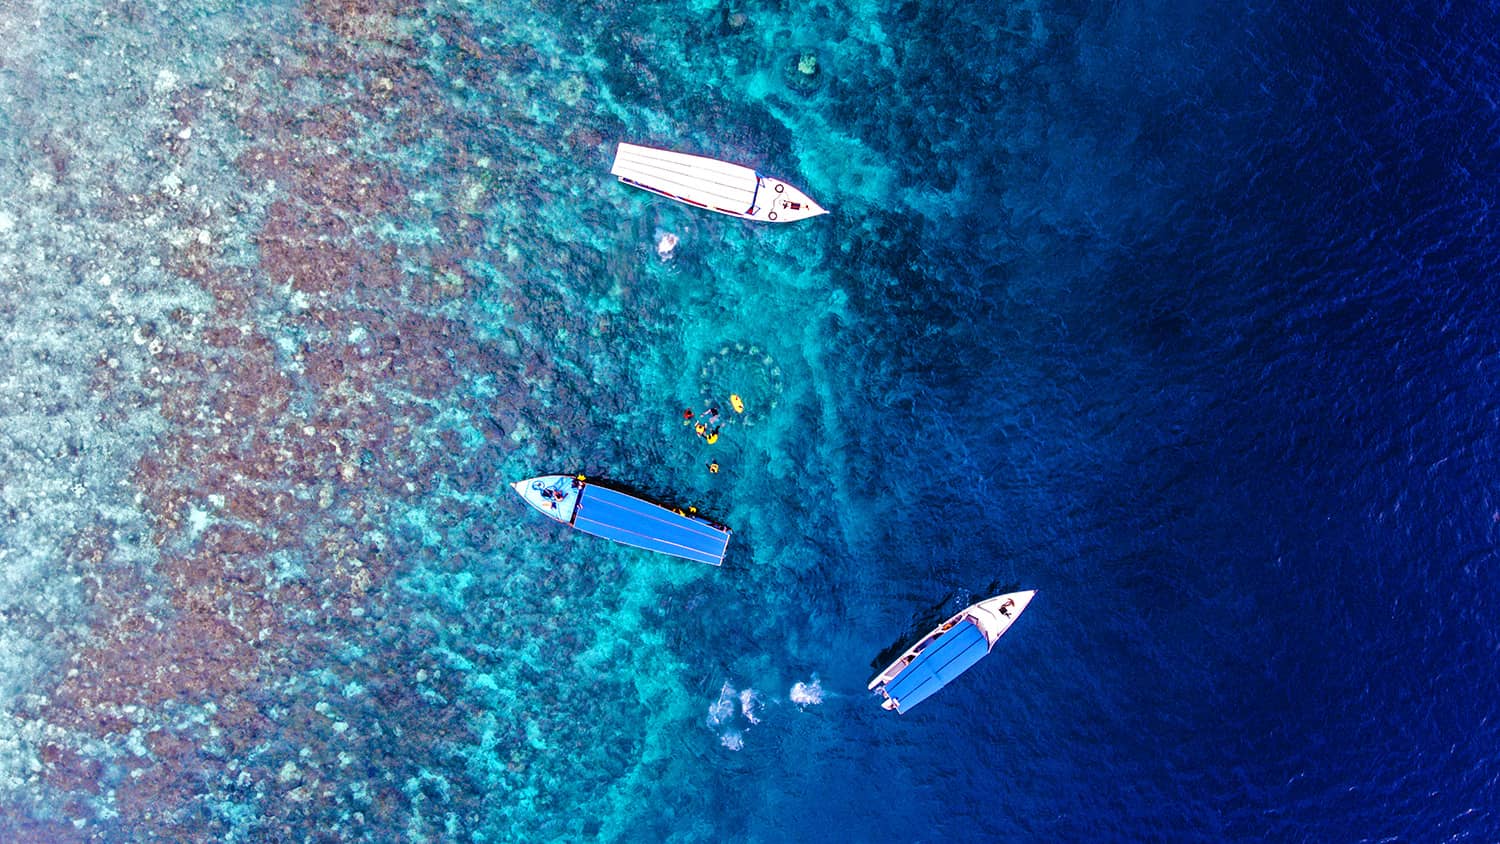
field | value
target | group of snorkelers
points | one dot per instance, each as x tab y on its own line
707	426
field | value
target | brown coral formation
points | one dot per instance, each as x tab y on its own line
269	663
295	408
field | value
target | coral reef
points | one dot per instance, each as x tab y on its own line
354	268
304	468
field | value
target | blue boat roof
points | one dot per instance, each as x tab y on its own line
938	664
624	518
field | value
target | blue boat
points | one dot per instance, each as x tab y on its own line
625	518
948	651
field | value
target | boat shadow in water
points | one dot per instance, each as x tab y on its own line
938	613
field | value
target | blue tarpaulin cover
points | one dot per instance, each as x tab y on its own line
935	667
624	518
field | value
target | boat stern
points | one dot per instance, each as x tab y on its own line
779	202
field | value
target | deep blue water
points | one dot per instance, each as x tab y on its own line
1235	435
1183	314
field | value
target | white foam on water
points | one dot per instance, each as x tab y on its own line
747	703
750	704
807	694
666	244
722	709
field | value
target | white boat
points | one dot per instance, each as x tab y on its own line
948	651
731	189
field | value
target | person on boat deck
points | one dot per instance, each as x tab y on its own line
1005	607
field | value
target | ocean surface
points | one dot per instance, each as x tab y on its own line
1184	314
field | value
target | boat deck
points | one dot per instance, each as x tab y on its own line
624	518
704	182
721	186
950	655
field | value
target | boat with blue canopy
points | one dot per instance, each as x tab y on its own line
948	651
625	518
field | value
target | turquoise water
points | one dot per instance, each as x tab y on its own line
334	278
1169	312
